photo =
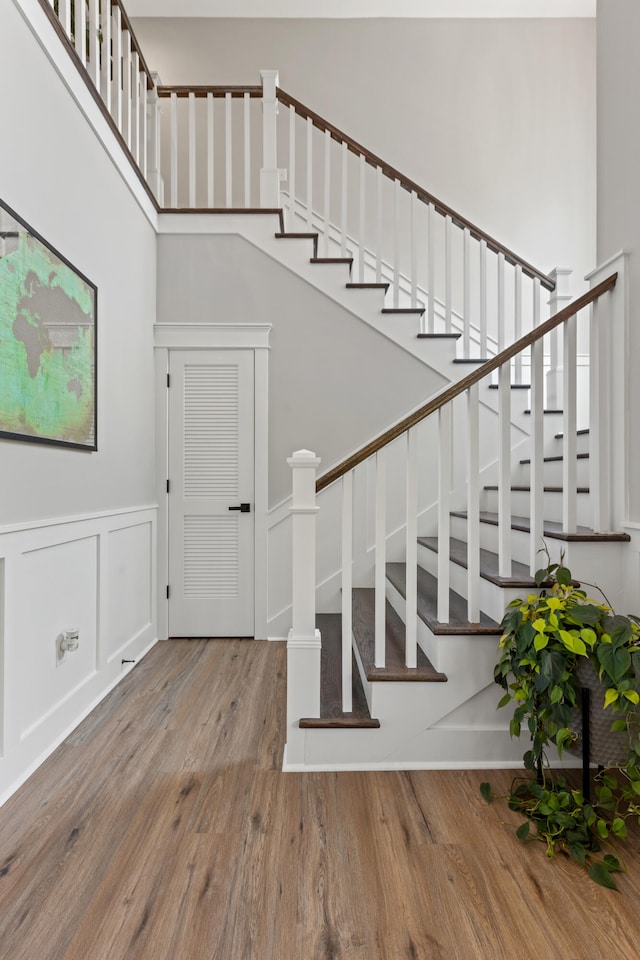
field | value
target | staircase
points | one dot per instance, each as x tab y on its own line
430	700
396	670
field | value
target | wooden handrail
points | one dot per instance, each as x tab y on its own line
356	148
202	90
457	388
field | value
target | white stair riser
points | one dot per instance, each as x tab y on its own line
552	472
493	599
556	445
520	501
426	640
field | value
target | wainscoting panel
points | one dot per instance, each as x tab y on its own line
94	574
129	566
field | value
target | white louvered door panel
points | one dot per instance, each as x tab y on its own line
211	443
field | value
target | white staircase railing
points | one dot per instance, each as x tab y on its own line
337	186
477	442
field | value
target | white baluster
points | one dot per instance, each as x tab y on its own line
292	167
502	339
309	173
504	471
94	41
599	415
153	139
396	243
126	87
559	298
80	31
347	586
536	473
116	66
304	641
269	174
105	68
247	150
483	299
344	200
473	505
378	224
135	106
228	145
569	427
381	558
444	509
414	251
411	552
448	294
144	130
327	191
517	322
64	15
466	298
210	152
362	166
431	267
173	170
192	148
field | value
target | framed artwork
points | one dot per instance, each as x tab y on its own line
48	363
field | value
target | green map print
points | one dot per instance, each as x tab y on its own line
46	346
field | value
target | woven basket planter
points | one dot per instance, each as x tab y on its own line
607	749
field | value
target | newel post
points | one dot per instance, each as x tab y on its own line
154	178
303	644
269	176
560	297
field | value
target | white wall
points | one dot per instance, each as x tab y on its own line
334	382
495	117
619	184
77	529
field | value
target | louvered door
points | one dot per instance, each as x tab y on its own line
211	474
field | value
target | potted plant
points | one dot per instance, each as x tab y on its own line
548	641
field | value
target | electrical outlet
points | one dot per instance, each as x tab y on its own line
66	642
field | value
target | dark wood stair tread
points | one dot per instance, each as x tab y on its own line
579	433
528	412
368	286
559	459
514	386
489	563
331	713
471	360
418	311
552	528
520	488
439	336
347	260
428	605
296	236
395	668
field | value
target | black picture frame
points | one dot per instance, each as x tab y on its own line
48	341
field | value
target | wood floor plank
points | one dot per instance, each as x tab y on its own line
163	829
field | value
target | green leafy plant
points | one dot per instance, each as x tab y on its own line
544	639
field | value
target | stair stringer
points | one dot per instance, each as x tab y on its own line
414	731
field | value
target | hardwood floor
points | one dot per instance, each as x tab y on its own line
163	829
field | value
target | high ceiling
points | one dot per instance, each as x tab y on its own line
361	8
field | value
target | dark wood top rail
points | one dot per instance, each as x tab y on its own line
457	388
356	148
135	46
217	91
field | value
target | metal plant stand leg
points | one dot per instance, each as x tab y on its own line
586	745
